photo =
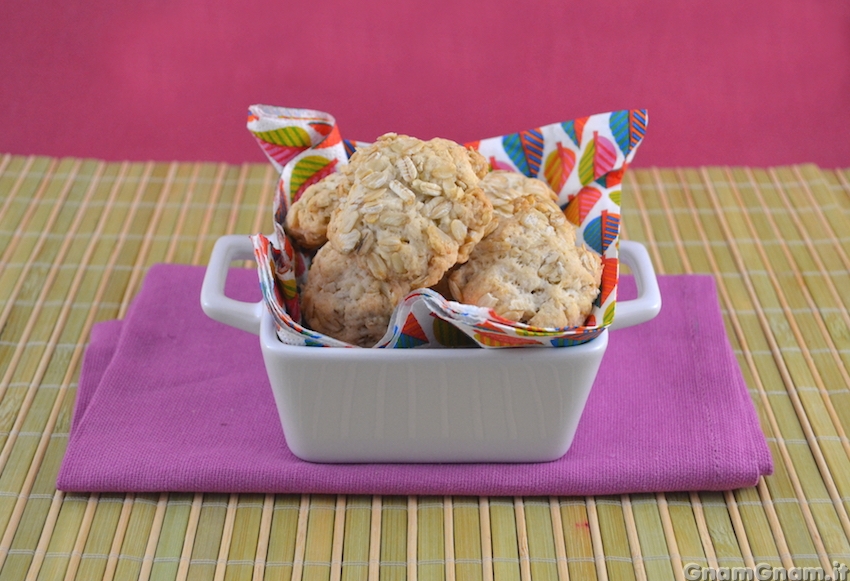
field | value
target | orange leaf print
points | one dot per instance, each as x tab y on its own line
559	166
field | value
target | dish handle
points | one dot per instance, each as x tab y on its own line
648	302
246	316
216	305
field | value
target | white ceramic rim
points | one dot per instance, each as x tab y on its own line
248	316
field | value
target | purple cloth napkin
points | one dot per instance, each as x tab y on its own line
170	400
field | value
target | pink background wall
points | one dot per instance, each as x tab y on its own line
726	81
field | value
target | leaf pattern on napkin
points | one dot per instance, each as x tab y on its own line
584	161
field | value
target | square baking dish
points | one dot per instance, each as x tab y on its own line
346	405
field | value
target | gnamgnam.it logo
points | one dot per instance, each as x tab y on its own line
765	572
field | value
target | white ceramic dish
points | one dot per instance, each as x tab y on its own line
426	405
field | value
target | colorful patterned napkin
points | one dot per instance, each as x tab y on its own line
582	160
170	400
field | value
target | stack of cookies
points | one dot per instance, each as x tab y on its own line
407	214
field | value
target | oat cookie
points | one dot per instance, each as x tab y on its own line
346	302
529	269
308	217
503	187
480	165
414	208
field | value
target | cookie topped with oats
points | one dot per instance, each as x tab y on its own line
348	303
503	187
529	268
308	217
414	208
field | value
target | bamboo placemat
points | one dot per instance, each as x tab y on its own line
76	238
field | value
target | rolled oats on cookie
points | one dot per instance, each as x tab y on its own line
529	269
346	302
308	217
503	187
413	210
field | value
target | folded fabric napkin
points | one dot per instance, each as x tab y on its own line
170	400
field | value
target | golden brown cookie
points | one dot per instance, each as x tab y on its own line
346	302
529	269
503	187
480	165
308	217
414	209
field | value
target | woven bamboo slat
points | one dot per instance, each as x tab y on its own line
356	555
429	554
543	563
469	559
579	547
77	237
